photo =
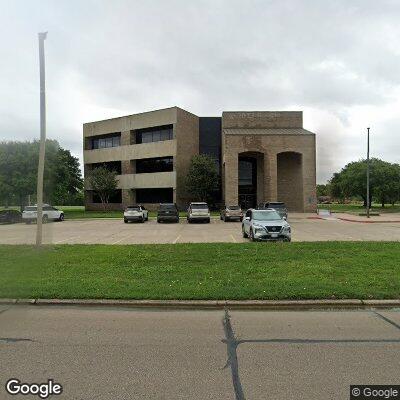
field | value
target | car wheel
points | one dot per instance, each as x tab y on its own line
177	220
61	217
45	219
142	220
241	219
208	221
158	220
244	233
125	220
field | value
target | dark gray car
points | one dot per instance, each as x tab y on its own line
279	206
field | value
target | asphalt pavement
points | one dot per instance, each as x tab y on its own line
123	353
113	231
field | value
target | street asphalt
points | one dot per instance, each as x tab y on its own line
113	231
121	353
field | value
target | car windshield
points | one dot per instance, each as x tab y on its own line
266	216
200	206
233	207
134	208
277	205
30	209
167	207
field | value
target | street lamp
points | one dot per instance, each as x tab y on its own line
368	205
42	149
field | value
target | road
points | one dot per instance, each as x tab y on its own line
114	231
117	353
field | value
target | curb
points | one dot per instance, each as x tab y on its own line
214	304
368	222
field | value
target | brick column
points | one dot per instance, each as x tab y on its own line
128	197
125	138
231	181
270	177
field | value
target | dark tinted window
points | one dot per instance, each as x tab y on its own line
276	205
155	134
157	195
115	197
133	208
148	165
199	206
111	166
102	142
30	208
167	207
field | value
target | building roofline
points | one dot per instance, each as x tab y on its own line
139	113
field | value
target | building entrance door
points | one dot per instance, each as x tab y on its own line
247	182
247	201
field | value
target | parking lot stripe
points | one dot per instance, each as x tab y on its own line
234	240
176	239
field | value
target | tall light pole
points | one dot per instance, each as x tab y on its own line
368	205
42	149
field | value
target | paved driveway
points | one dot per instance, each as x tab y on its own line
111	353
114	231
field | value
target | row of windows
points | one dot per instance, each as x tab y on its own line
157	195
143	166
105	142
111	166
158	134
149	165
147	135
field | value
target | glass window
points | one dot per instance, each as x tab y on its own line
264	215
149	165
155	134
116	141
103	142
158	195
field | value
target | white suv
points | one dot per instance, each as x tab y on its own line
136	213
198	212
49	214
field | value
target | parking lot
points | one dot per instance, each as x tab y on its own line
113	231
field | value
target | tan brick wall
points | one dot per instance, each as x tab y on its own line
270	145
186	131
262	119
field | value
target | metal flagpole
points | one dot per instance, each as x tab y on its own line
368	205
39	191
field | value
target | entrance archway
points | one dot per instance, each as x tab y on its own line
250	179
290	180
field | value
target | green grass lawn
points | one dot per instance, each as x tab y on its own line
203	271
356	208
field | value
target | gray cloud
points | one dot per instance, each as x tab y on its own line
337	61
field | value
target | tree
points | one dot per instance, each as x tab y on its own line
202	178
104	183
18	173
351	181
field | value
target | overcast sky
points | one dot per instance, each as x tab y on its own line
338	61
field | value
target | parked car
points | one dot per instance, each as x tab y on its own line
198	212
230	213
10	216
265	225
49	214
168	212
135	213
280	207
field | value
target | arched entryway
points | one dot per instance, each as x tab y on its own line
290	180
250	179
